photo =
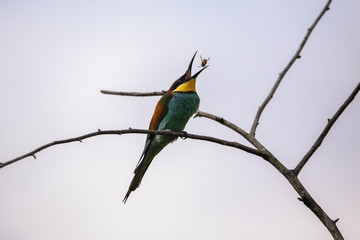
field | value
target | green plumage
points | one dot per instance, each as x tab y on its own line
172	112
180	108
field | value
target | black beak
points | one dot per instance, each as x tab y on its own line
196	74
188	72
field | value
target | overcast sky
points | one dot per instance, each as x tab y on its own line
56	56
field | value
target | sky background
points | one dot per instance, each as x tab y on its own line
56	56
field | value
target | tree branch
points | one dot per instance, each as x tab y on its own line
327	128
306	198
290	176
223	122
288	66
139	131
134	94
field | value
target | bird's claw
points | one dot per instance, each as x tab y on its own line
185	135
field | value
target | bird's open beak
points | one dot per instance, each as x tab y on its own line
187	75
188	72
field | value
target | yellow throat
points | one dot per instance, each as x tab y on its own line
187	87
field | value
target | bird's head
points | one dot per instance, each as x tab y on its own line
186	83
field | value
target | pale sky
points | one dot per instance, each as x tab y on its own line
56	56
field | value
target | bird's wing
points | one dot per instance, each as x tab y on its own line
160	110
159	113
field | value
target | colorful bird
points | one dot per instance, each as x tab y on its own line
172	112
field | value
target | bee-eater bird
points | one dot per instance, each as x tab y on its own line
172	112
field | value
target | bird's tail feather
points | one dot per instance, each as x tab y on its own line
141	169
139	174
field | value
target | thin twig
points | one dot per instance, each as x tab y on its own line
140	131
288	66
134	94
327	128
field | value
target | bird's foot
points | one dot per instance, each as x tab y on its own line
185	135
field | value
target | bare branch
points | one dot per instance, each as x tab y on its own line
223	122
288	66
290	176
306	198
139	131
134	94
327	128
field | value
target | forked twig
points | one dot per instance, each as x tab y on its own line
288	66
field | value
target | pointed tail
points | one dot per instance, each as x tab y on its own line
139	174
141	168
